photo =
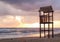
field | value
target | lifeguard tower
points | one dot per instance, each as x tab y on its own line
46	17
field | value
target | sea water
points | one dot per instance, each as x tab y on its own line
16	33
19	32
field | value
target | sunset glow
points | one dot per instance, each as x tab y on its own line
17	21
18	18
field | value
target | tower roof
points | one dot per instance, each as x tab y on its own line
46	9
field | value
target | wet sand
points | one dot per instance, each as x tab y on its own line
31	39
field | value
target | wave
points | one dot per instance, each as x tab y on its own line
13	33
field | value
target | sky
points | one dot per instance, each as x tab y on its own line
24	13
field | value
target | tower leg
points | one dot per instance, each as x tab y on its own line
44	30
40	30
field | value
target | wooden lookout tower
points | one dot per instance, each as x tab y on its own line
46	17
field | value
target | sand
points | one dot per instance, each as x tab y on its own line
28	39
32	39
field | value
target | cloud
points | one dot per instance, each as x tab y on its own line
21	7
28	9
56	15
8	21
27	5
30	19
7	9
21	1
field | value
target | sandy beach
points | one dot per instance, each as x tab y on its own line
32	39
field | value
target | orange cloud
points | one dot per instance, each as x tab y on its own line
9	21
15	24
30	19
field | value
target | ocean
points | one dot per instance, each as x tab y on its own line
21	32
